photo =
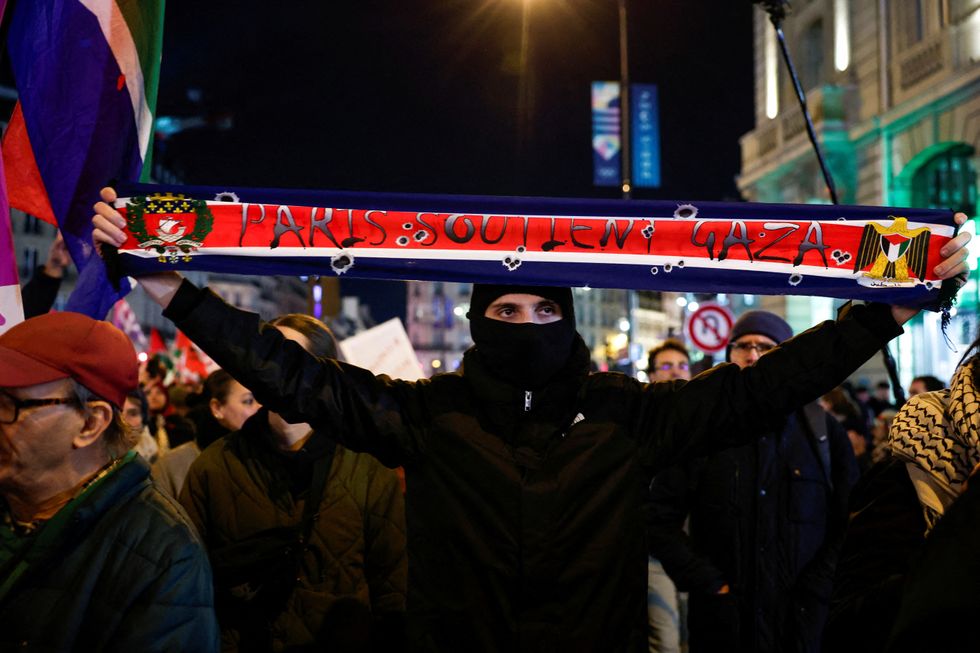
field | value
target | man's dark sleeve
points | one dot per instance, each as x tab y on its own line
670	502
884	532
376	415
39	293
727	406
816	579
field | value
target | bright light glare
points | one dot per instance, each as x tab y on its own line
458	311
692	306
436	364
772	86
842	35
682	301
971	27
143	357
624	325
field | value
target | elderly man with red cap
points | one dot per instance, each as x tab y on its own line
525	474
92	555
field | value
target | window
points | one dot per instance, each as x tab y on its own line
29	263
811	64
948	180
917	19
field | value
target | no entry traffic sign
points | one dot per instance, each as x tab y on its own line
708	327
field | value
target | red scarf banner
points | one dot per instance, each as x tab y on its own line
873	253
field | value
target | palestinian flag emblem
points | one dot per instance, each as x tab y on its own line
892	254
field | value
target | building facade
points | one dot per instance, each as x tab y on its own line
893	87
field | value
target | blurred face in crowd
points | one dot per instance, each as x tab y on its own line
917	387
238	406
156	397
291	436
132	414
670	364
519	308
749	348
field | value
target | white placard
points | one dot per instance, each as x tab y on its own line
384	349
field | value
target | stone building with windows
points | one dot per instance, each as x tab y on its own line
893	87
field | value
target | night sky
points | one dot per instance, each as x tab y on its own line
423	95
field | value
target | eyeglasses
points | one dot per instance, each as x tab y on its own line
746	347
10	407
666	367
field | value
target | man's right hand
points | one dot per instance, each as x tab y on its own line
107	229
107	222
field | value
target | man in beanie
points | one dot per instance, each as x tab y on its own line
766	521
92	555
525	474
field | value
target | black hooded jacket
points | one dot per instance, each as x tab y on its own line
523	510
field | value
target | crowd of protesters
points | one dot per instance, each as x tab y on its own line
145	514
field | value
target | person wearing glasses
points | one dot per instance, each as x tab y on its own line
93	556
766	521
666	362
669	361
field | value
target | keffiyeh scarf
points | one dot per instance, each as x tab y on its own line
938	435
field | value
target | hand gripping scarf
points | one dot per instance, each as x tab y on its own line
871	253
938	435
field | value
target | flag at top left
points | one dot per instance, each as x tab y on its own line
87	73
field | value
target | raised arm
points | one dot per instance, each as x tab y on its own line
365	413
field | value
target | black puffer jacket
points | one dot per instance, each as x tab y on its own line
127	574
523	511
767	520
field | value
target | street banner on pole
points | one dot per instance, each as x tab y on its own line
606	144
645	115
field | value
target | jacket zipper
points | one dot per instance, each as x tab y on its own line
527	401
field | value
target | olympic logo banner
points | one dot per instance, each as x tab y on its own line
873	253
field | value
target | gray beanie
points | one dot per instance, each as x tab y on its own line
762	323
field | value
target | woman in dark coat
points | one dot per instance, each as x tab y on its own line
349	593
935	446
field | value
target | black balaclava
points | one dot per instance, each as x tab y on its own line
524	355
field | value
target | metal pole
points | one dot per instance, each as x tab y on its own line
624	101
801	97
626	154
777	12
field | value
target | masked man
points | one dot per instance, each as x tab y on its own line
525	474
